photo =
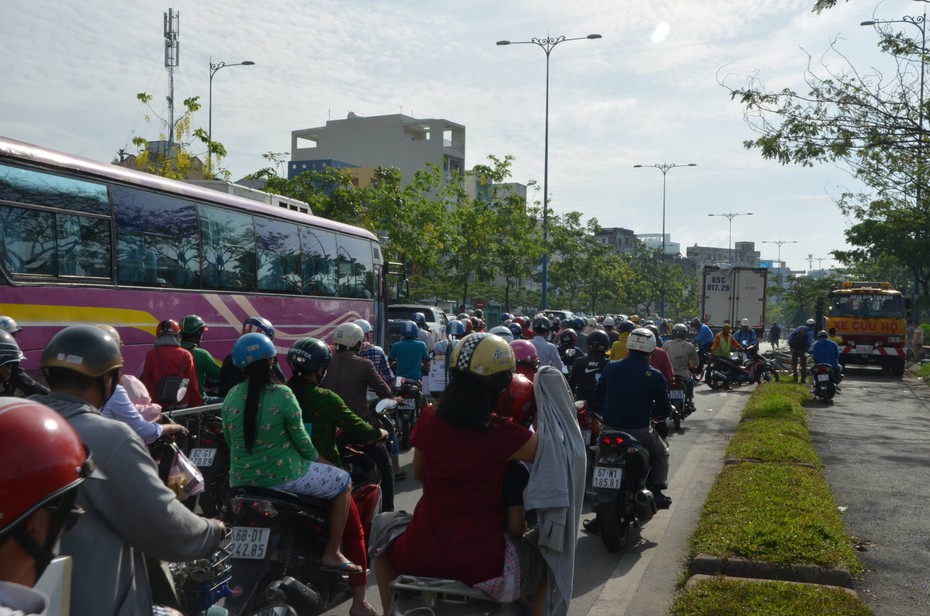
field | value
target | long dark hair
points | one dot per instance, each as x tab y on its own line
259	375
469	400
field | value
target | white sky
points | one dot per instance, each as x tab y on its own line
645	93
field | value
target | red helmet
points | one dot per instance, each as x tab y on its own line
518	401
29	481
525	353
468	326
568	336
168	327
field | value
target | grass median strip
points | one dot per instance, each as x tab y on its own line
775	518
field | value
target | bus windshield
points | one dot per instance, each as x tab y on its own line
867	305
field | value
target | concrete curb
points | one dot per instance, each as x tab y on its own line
697	579
705	564
733	461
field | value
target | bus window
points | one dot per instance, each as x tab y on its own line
228	249
83	246
278	256
157	242
40	188
318	260
354	267
28	240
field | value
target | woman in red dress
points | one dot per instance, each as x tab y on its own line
461	457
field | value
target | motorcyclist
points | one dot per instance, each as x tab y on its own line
504	332
703	338
659	358
518	402
374	353
579	325
608	324
568	352
631	390
37	497
130	512
230	376
526	357
169	359
327	412
725	343
350	377
618	347
586	371
547	352
745	335
13	378
825	351
208	368
684	357
409	357
516	330
423	332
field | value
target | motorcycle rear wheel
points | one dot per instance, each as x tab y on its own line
614	527
768	375
712	381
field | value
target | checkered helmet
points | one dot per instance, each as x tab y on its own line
482	354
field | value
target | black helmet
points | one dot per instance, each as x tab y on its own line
627	326
598	340
85	349
695	322
542	322
680	330
9	350
308	354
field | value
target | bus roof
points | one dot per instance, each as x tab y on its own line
10	148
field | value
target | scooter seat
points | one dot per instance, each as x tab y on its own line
302	500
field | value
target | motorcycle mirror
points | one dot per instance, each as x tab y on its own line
385	405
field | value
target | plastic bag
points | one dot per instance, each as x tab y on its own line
184	478
139	396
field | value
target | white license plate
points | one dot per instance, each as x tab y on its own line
676	394
202	456
605	477
408	404
823	378
586	437
249	543
864	348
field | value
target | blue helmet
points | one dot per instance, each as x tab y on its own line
258	324
409	329
455	328
516	330
419	318
578	324
250	348
506	317
627	326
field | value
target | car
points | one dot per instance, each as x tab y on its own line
436	321
561	315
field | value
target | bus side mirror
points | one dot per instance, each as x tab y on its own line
403	288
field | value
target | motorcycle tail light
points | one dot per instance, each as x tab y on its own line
206	441
244	506
612	440
215	427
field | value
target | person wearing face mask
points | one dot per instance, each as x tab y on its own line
129	511
37	495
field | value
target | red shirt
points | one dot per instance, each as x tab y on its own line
660	361
456	528
176	360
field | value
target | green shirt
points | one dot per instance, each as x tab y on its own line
207	366
327	412
282	450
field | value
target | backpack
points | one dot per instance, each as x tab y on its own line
171	388
798	339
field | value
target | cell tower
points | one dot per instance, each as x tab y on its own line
172	26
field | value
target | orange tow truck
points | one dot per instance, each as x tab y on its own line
870	317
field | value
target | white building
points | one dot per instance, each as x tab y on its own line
654	241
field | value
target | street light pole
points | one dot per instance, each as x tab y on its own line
664	168
213	69
781	268
920	22
547	44
731	216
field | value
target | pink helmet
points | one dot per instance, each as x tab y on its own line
525	353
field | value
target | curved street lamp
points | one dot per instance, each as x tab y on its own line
547	44
731	216
781	268
213	69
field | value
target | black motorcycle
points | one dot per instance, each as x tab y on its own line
824	383
408	410
620	484
210	452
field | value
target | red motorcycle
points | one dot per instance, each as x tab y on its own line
723	372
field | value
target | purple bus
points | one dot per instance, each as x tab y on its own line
89	242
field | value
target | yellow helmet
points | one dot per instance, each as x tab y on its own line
482	354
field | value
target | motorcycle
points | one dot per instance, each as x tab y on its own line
408	410
620	484
414	595
278	537
590	424
681	407
722	371
210	452
824	382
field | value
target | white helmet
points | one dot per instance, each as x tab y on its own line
365	325
348	335
502	331
811	323
8	324
744	322
608	321
641	339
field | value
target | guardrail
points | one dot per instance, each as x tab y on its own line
194	410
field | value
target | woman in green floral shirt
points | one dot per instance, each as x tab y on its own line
270	447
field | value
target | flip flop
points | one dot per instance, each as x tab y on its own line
346	568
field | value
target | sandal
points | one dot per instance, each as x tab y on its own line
346	568
400	476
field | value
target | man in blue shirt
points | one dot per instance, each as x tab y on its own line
630	389
548	353
745	335
825	351
409	357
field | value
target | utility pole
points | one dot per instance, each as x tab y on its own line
172	26
810	265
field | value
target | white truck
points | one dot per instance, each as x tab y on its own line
733	294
